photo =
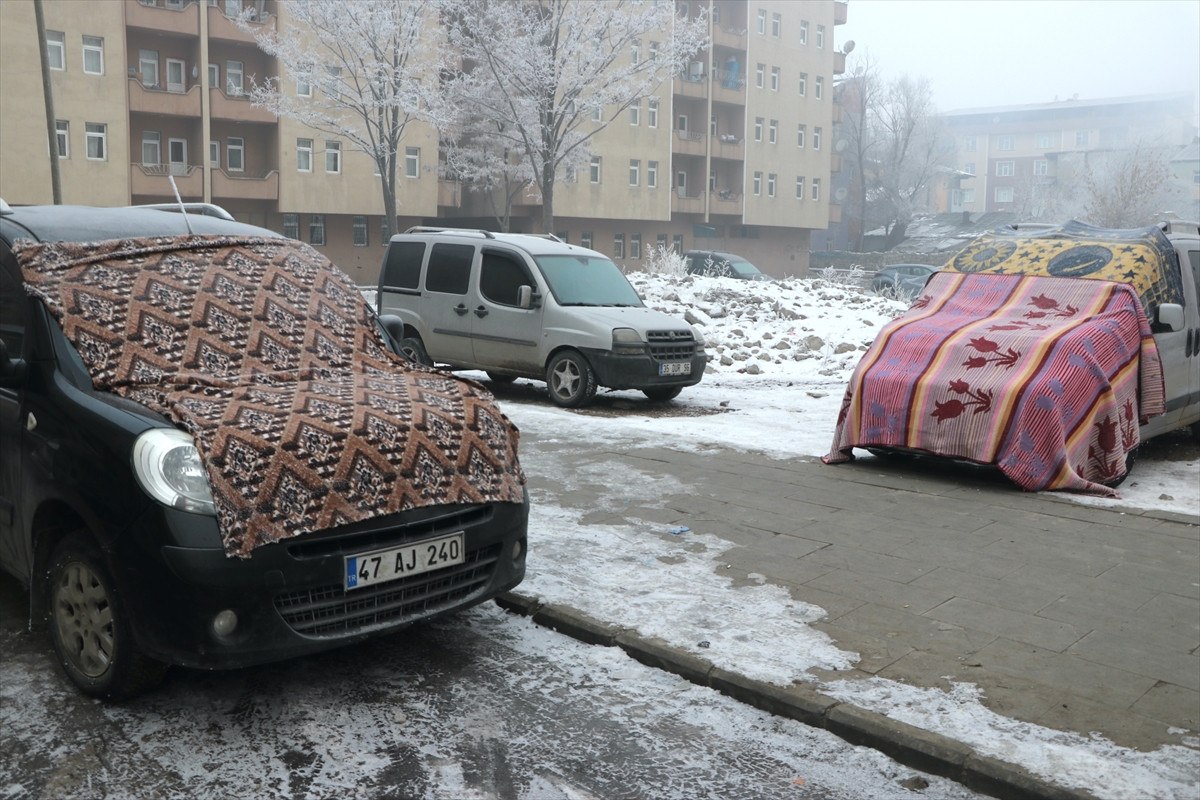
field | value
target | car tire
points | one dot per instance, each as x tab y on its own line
888	454
498	377
663	394
570	379
412	348
90	627
1130	460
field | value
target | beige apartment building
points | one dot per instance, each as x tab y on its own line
735	153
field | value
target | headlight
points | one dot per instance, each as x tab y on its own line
168	467
699	337
627	342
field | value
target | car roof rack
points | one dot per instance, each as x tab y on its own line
5	208
205	209
436	229
1179	226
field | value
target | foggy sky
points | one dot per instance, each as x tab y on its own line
980	53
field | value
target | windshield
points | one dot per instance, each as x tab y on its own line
744	268
587	281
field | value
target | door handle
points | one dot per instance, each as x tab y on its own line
460	309
481	312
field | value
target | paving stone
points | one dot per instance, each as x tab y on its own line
1124	727
1172	614
1166	578
1173	705
865	562
1025	545
913	630
834	604
1004	622
742	560
1013	593
1180	669
882	592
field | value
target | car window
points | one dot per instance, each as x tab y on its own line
449	269
1194	257
587	281
500	275
403	267
13	304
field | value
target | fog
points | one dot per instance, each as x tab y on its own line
980	53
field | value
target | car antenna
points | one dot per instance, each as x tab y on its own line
182	209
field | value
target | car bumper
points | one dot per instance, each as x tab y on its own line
642	371
289	597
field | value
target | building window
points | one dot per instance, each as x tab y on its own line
62	136
774	79
819	87
333	157
970	144
816	138
760	73
803	83
93	55
1004	194
594	169
776	25
677	243
359	228
234	84
303	88
757	183
56	49
1041	167
635	113
635	245
682	122
585	240
1081	138
175	78
969	167
1045	141
564	237
712	180
758	129
385	231
652	174
800	130
820	36
635	172
799	187
816	189
968	197
235	154
214	76
652	113
771	184
598	114
762	20
148	67
96	137
634	51
773	131
803	31
1004	169
214	153
1004	143
661	243
291	226
618	245
304	152
412	162
151	148
316	229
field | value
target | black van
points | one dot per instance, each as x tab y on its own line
107	510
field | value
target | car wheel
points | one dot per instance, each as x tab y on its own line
89	626
662	395
497	377
888	454
1130	460
412	348
570	379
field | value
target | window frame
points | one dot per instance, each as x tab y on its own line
652	174
100	136
773	132
155	142
316	229
772	180
756	183
240	72
652	113
760	75
801	134
816	138
240	149
412	162
800	187
635	171
333	148
619	245
304	152
97	47
56	41
775	76
595	169
359	235
62	137
803	84
816	190
1006	169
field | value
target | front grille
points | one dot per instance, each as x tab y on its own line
381	532
330	611
671	345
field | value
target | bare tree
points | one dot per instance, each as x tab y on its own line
858	94
485	162
551	74
371	67
1130	188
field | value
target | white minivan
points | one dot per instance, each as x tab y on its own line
526	306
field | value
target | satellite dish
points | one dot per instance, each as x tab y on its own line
848	47
839	194
840	145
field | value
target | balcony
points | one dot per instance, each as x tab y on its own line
725	201
684	203
450	194
688	143
237	107
179	21
835	212
222	27
690	85
723	36
839	63
152	180
155	100
835	163
839	13
244	186
729	87
730	147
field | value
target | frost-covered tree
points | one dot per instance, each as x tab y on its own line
550	74
858	93
476	153
370	67
1129	188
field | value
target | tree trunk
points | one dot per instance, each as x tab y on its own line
547	187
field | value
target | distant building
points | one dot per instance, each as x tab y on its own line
735	154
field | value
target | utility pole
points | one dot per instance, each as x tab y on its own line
48	94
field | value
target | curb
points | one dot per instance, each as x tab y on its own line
911	746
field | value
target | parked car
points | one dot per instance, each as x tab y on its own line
210	458
523	306
722	265
906	279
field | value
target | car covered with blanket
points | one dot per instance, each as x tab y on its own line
212	457
1050	352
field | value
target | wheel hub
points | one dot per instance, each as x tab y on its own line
83	616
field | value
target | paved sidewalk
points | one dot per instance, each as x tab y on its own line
1073	617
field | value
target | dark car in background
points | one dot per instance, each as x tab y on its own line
107	511
716	264
906	279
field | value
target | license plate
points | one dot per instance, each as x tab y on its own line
676	368
379	566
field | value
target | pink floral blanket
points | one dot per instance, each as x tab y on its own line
1048	378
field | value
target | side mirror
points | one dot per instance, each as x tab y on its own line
526	297
12	370
1169	316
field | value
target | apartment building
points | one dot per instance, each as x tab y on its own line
733	154
1015	155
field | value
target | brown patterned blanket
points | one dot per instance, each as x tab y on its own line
268	355
1048	378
